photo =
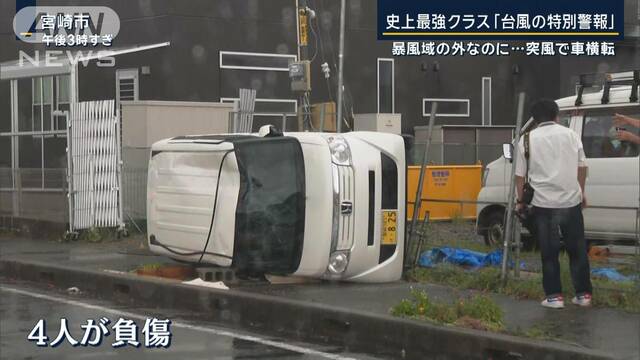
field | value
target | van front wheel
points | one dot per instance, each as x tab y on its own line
494	232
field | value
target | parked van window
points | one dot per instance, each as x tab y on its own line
599	137
565	119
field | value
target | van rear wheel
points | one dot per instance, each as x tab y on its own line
494	233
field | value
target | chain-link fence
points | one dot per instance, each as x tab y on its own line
456	153
41	194
312	121
134	184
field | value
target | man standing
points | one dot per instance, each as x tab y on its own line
557	174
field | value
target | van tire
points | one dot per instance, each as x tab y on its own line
494	233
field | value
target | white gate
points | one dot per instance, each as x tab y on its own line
95	199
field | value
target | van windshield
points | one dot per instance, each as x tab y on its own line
269	228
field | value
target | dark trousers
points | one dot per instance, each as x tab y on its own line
550	223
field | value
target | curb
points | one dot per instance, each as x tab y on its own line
356	331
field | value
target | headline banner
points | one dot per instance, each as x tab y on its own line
554	20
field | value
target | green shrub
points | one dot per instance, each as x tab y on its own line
625	296
478	311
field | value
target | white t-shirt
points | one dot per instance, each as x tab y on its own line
555	153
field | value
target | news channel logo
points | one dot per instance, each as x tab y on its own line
46	24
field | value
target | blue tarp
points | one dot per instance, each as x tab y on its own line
475	259
612	274
462	257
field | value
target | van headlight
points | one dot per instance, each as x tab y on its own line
340	152
338	262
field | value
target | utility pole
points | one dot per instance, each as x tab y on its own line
302	17
340	66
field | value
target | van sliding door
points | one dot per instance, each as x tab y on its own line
612	182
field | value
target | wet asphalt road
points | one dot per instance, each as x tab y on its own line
22	306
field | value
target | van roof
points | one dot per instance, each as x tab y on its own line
618	96
212	139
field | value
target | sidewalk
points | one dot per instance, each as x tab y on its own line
605	331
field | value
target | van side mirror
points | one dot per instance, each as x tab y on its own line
507	151
269	131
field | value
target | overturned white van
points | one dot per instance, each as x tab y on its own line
318	205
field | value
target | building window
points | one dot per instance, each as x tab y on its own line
41	95
126	85
486	101
386	86
37	142
62	101
446	107
6	98
255	61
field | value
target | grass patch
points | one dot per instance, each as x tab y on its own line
151	267
96	235
456	233
477	312
542	332
625	296
461	234
9	232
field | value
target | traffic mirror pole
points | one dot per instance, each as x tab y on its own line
512	189
340	68
417	203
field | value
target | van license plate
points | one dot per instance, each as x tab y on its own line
389	224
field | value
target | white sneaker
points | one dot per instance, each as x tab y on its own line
555	302
582	300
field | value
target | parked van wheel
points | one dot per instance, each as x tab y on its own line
494	233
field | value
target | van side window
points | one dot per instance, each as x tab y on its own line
599	138
564	119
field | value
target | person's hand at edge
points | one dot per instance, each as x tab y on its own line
627	136
620	120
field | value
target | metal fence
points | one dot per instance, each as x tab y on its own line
134	183
134	190
287	121
41	194
34	194
456	153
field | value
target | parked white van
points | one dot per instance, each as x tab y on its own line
613	177
319	205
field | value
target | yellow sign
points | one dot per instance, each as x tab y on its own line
304	31
389	227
